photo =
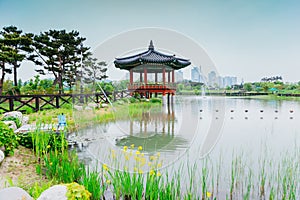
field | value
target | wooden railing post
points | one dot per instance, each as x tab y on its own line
37	104
57	101
97	98
11	104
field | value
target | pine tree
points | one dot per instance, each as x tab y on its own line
59	53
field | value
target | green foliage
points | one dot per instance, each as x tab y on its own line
155	100
60	53
37	188
91	181
248	87
63	166
76	191
8	139
15	119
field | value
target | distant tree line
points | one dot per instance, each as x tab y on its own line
271	79
57	52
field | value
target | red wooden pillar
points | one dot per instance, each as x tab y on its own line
164	75
145	75
173	76
131	76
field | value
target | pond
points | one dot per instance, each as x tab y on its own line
218	133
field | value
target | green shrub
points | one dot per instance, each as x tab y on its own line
155	100
76	191
15	119
8	139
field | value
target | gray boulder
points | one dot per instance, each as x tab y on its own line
56	192
25	120
1	156
88	108
14	193
11	124
104	105
93	105
79	108
15	114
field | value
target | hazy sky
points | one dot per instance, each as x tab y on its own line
248	39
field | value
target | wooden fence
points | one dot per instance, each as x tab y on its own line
45	101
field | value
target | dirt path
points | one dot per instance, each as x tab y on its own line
19	169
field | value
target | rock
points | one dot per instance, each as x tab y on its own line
88	108
104	105
25	120
1	156
11	124
56	192
93	105
14	193
79	108
15	114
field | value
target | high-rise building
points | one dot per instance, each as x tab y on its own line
179	76
196	74
229	81
212	78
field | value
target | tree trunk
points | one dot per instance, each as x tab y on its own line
2	77
15	75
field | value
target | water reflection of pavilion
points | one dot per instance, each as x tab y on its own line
154	131
153	122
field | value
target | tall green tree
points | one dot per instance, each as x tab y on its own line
6	57
59	53
20	43
93	71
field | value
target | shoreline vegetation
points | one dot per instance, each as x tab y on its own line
52	163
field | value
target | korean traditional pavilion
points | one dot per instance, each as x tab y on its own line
152	62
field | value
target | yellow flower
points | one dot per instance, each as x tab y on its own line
104	166
113	156
125	148
137	152
132	146
158	154
149	164
135	169
140	148
137	158
108	181
126	157
152	172
152	158
142	154
159	165
48	146
208	194
158	174
140	171
51	164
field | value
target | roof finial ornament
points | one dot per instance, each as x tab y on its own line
151	47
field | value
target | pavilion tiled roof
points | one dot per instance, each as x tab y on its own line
151	56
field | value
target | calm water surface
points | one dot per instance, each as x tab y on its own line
197	129
246	125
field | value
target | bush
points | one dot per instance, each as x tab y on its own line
155	100
76	191
8	139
